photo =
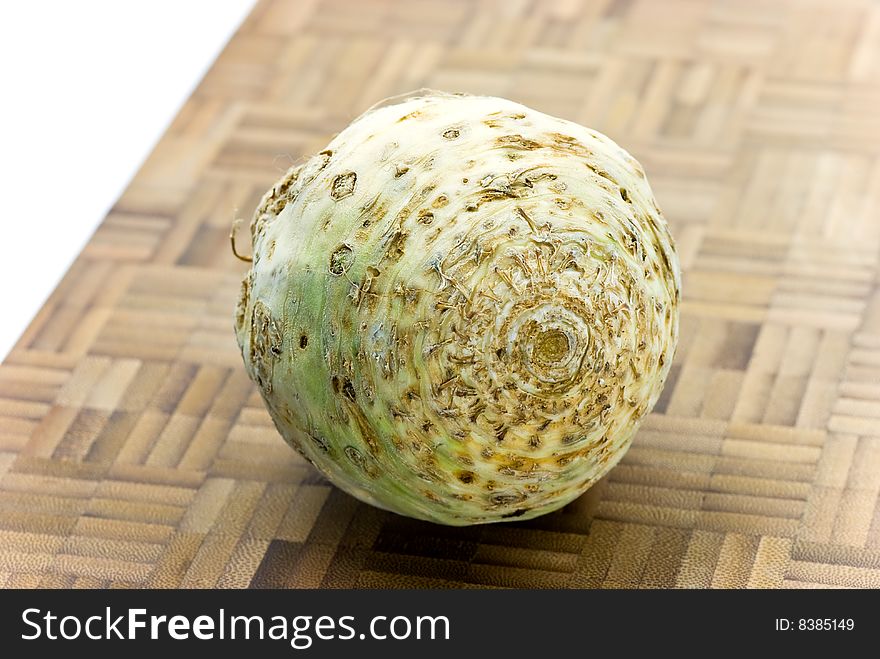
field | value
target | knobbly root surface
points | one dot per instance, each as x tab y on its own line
462	308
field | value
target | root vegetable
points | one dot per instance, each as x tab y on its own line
462	308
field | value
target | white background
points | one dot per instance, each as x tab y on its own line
87	89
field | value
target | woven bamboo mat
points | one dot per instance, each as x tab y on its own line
134	451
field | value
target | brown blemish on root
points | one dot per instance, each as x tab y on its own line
275	200
433	497
516	513
266	340
362	292
518	142
360	420
568	144
416	200
343	185
501	120
348	390
396	246
243	299
507	499
602	173
341	260
360	461
466	477
322	444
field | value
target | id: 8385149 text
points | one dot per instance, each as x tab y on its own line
815	624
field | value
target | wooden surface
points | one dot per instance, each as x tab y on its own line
134	451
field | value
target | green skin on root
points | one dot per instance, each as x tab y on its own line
461	309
